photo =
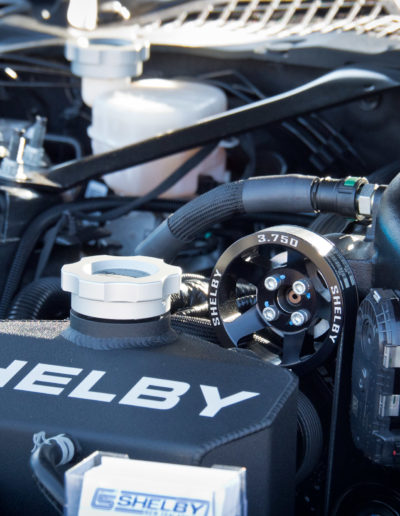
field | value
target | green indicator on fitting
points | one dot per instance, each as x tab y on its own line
351	181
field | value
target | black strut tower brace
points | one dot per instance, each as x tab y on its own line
333	88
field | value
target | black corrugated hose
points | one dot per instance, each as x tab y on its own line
40	300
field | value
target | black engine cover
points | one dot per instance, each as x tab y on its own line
49	384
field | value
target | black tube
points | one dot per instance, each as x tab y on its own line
212	207
67	140
310	433
200	310
193	292
387	238
385	174
285	194
270	193
195	326
40	300
162	187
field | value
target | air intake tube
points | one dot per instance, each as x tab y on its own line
290	194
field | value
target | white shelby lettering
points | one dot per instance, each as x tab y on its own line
337	310
83	391
215	403
214	284
213	311
148	392
6	373
145	387
38	374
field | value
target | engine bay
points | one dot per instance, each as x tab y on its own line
200	243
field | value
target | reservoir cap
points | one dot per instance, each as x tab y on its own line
121	287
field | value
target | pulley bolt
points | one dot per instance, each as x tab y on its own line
300	317
272	283
300	287
270	313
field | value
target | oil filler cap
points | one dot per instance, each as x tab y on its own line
121	288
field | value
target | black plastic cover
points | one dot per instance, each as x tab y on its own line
258	433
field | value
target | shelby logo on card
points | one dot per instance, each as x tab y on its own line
147	504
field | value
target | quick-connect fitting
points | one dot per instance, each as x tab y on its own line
337	195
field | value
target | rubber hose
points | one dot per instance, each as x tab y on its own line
385	174
310	432
246	301
387	238
195	326
254	195
193	292
200	310
42	299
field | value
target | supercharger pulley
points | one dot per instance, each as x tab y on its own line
304	292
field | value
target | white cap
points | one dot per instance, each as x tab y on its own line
121	287
106	57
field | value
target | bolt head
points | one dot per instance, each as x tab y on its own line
300	287
272	283
270	313
299	318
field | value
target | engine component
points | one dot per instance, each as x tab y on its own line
310	438
367	498
120	288
149	107
375	414
134	386
34	151
387	238
308	194
12	164
307	327
39	300
105	64
331	89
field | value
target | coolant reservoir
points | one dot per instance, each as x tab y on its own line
145	109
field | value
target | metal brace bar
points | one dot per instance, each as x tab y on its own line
331	89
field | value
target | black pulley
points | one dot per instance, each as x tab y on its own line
305	292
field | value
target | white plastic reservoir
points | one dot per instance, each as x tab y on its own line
145	109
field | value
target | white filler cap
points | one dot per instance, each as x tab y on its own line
107	58
121	287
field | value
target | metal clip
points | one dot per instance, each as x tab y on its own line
391	356
389	405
